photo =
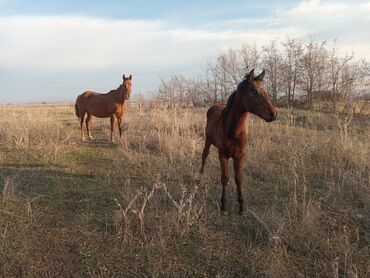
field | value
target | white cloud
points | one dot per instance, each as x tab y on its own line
314	9
345	21
60	43
70	43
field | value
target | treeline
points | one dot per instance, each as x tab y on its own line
297	72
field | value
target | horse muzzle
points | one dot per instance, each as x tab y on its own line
273	117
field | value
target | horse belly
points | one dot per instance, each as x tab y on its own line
100	109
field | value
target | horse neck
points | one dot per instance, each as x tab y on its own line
235	121
118	96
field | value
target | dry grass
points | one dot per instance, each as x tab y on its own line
138	207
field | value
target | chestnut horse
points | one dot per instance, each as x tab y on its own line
226	128
106	105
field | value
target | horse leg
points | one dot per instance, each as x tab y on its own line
224	162
238	167
112	128
82	116
205	154
88	121
119	121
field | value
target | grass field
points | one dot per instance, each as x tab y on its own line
138	207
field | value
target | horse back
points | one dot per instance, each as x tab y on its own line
215	111
89	94
85	96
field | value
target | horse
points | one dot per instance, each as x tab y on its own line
226	128
106	105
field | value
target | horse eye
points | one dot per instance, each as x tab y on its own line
255	93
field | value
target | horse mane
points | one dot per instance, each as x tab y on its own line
229	104
118	88
230	100
115	90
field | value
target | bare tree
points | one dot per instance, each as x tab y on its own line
250	57
337	65
363	78
235	68
222	76
312	68
212	81
197	92
173	90
272	60
292	53
292	67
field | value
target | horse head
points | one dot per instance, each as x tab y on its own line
126	86
253	97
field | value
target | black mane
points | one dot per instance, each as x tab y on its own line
230	100
114	90
229	104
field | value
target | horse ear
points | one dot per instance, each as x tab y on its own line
260	76
250	76
130	77
124	77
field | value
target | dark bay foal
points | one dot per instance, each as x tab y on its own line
226	128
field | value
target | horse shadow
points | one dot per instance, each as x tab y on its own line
30	177
52	187
100	143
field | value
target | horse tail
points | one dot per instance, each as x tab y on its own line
77	111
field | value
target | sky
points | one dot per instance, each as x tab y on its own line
54	50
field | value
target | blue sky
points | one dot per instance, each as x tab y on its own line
54	50
188	12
